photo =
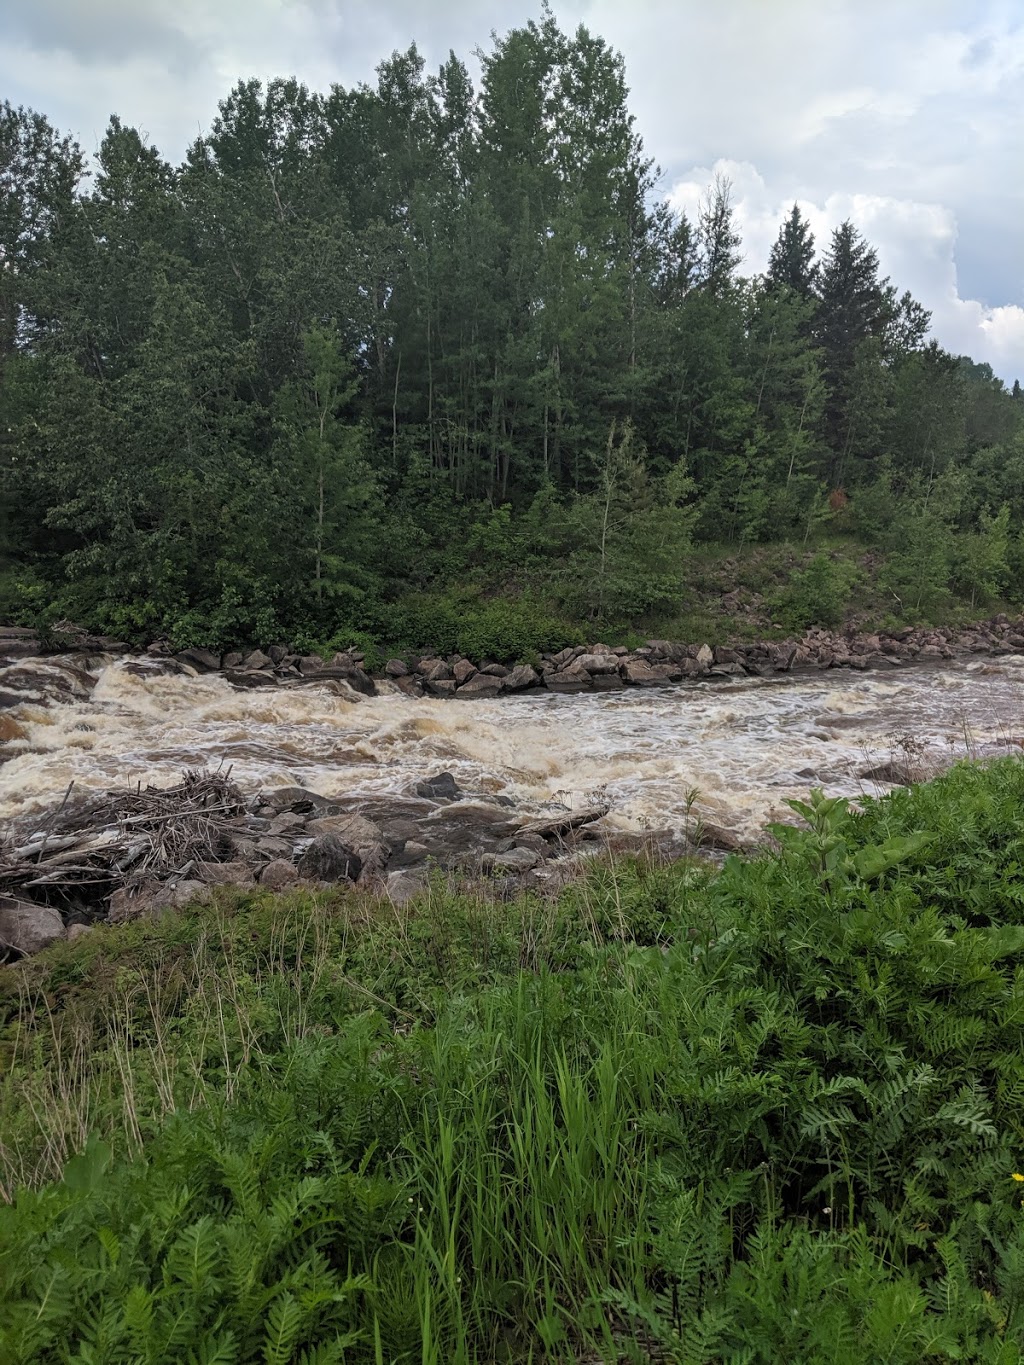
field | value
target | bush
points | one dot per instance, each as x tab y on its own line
503	629
817	595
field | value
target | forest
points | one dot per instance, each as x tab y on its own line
373	363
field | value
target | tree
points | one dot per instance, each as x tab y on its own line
333	490
622	547
718	241
791	260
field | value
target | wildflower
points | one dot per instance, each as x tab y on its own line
1017	1176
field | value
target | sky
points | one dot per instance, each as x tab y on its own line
906	116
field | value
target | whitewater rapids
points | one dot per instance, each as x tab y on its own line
743	746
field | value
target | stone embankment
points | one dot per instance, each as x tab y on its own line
596	667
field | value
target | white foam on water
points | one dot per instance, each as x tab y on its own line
745	745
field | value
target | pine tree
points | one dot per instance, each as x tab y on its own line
791	261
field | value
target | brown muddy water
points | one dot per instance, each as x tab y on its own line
744	745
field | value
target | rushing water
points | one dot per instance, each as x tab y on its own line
744	745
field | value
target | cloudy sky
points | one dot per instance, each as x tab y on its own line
905	115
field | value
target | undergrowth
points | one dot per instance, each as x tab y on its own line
774	1113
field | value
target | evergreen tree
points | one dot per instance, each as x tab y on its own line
791	260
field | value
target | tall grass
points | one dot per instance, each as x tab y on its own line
772	1113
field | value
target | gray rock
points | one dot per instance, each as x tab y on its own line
274	847
360	835
328	860
522	676
225	874
77	931
482	686
395	668
515	860
152	897
402	887
463	671
599	662
27	928
639	673
440	787
257	659
203	659
278	874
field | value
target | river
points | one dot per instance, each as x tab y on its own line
743	745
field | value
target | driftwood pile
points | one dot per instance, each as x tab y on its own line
89	848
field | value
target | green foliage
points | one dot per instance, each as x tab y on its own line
417	339
505	631
770	1113
817	594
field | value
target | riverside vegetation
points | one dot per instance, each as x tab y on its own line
769	1112
425	367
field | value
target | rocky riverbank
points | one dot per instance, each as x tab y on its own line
597	667
139	852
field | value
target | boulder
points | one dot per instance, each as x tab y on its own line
597	663
360	835
203	659
275	847
257	659
440	787
896	773
309	664
327	859
395	668
27	928
441	687
232	660
288	822
433	668
359	679
705	657
243	677
152	897
483	685
521	677
77	931
410	686
402	887
463	671
713	836
279	874
494	670
638	673
225	874
515	860
571	679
